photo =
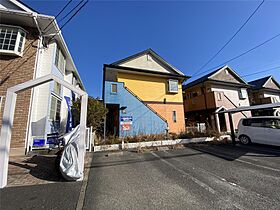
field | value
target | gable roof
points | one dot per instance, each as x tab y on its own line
17	5
208	76
14	11
153	54
260	83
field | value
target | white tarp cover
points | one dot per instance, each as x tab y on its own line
70	166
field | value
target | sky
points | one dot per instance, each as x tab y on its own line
185	33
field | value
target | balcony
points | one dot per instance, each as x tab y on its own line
213	100
198	102
267	100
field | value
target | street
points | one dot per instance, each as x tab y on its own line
191	178
199	176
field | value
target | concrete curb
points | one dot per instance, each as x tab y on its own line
114	147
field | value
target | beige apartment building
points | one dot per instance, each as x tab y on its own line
217	91
265	90
28	50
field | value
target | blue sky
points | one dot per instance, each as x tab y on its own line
185	33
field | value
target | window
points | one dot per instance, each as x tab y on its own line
60	60
57	88
243	93
55	109
219	96
114	88
253	122
262	122
149	58
11	40
271	123
174	117
172	86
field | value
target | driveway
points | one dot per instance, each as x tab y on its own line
200	176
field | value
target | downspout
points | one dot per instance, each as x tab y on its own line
205	101
103	97
27	144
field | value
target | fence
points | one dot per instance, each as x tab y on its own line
200	127
89	139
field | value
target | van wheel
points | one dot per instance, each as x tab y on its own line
244	140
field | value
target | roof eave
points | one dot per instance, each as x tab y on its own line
60	38
183	77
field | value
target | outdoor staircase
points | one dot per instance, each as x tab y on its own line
149	107
234	105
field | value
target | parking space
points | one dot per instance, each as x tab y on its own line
200	176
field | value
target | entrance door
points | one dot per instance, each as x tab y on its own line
222	119
112	119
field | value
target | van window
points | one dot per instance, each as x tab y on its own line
253	122
271	123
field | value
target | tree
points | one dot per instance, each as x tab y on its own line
96	113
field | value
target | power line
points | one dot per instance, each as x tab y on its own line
258	72
242	26
29	45
242	54
68	13
69	20
71	11
56	16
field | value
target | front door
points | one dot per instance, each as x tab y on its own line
112	119
222	120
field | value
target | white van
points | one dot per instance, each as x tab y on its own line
262	130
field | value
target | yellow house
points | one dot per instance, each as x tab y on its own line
155	83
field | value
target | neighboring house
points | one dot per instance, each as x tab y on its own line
217	91
264	91
144	96
28	51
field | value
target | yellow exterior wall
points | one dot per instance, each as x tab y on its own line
150	88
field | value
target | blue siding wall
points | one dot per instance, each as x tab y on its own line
145	121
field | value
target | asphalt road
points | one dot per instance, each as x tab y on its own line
197	177
55	196
200	176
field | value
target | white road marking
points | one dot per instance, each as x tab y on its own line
201	184
232	185
226	182
257	165
239	160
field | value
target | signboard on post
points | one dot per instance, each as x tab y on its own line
126	122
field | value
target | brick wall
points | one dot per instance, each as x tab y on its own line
15	70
